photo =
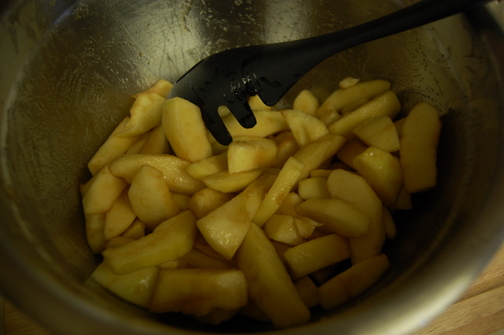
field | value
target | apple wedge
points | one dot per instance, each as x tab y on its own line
379	132
420	136
113	147
102	191
151	198
207	200
268	123
199	291
385	104
119	217
269	285
208	166
172	167
383	172
353	188
332	106
145	114
336	215
231	183
185	130
161	87
315	187
283	184
306	102
247	153
304	127
156	143
225	228
313	154
136	287
283	229
170	240
316	254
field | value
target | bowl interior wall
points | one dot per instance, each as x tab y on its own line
76	84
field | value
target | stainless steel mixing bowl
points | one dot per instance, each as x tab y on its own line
66	73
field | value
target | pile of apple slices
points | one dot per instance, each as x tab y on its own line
292	214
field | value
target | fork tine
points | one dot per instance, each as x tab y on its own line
243	113
215	125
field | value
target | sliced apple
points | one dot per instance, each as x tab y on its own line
316	254
136	287
353	188
250	153
95	225
198	291
102	191
315	187
150	197
230	183
185	130
385	104
161	87
283	229
336	215
304	127
208	166
207	200
268	123
379	132
308	291
332	106
113	147
383	172
170	240
145	115
172	167
156	143
120	217
315	153
269	285
284	182
225	228
420	137
306	102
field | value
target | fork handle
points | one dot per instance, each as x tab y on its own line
306	53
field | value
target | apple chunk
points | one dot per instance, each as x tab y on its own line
307	102
102	191
151	198
340	99
145	114
199	291
282	185
383	172
185	130
313	154
420	136
336	215
304	127
353	188
250	153
225	227
379	132
385	104
136	287
270	286
113	147
172	167
170	240
119	217
316	254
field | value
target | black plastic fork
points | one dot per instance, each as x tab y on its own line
230	77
